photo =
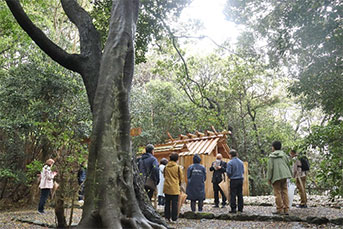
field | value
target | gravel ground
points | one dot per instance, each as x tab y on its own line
330	213
202	224
9	219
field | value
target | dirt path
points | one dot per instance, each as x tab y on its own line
31	218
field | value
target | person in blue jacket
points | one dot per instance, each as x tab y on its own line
196	176
235	171
148	167
81	178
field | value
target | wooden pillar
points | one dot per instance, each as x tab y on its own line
246	180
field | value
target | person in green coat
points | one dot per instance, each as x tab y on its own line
278	172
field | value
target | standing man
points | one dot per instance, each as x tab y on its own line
218	167
235	171
300	179
148	167
277	174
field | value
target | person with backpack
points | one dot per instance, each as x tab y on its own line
196	176
278	172
148	167
218	168
300	169
173	177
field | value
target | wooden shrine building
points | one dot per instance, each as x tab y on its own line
207	145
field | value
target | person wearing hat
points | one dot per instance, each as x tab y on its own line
148	167
196	176
46	184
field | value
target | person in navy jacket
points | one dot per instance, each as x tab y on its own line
196	176
148	167
235	171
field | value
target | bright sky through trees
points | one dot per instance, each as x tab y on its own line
210	13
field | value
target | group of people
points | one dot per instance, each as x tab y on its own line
168	180
196	176
47	183
168	177
170	184
279	172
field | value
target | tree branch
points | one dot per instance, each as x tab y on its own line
69	61
90	41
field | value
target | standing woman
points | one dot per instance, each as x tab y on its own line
173	177
46	183
196	176
160	193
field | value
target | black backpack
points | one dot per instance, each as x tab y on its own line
305	164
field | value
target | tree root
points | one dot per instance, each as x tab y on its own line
140	222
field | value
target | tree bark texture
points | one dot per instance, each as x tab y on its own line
113	196
59	211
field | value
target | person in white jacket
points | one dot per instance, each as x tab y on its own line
160	193
46	183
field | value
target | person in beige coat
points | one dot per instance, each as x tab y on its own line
173	176
46	184
300	179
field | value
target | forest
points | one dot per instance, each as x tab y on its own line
281	80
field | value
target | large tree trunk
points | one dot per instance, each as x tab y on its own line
110	198
113	196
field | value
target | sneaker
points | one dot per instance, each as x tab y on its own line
233	212
223	206
301	206
240	211
42	213
285	213
81	201
215	206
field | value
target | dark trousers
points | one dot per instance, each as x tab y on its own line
216	190
161	200
171	201
44	194
200	204
81	191
149	191
236	187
